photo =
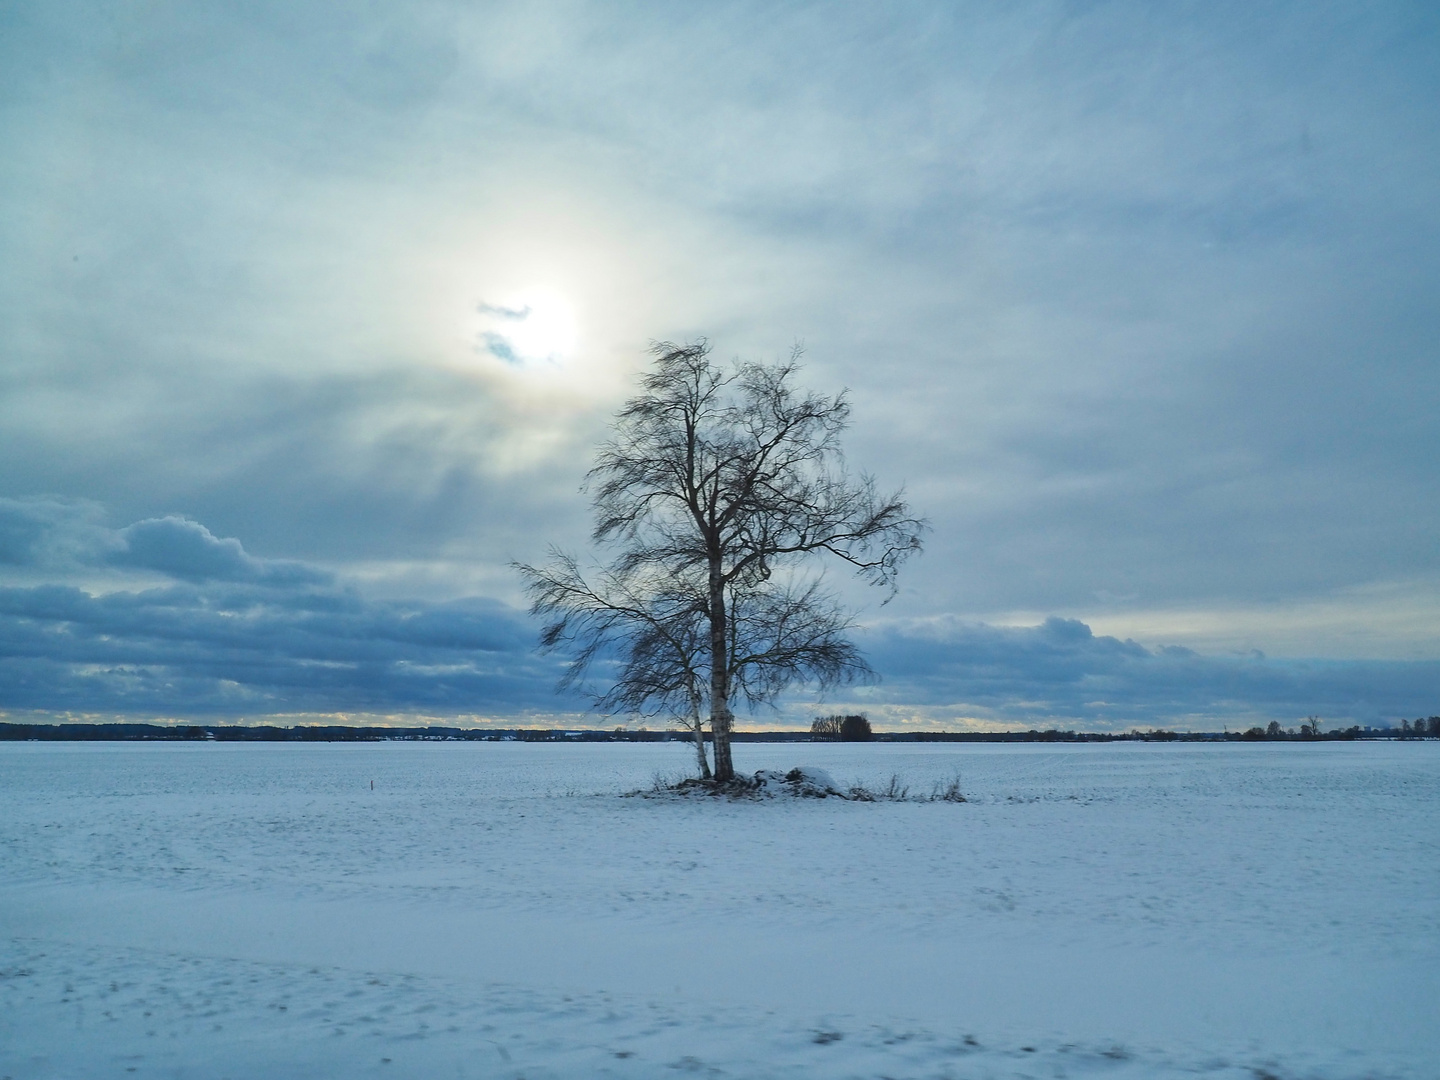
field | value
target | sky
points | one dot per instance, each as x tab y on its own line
312	316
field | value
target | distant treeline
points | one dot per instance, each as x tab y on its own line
313	733
1308	732
1310	729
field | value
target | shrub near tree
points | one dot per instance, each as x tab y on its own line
1423	726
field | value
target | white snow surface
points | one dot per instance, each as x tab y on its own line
498	910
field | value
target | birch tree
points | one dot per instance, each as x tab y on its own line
720	484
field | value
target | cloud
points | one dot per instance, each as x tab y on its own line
499	346
54	534
59	535
226	649
500	311
187	550
231	634
1060	673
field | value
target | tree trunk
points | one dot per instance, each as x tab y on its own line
697	728
720	720
720	715
704	759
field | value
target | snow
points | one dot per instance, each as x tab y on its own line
803	781
497	910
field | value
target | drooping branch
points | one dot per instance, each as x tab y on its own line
781	636
652	615
655	623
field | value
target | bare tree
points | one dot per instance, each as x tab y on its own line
720	479
655	632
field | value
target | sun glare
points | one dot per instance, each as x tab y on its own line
528	330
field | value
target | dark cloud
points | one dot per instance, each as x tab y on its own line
247	650
66	535
224	648
238	635
187	550
1060	672
44	532
235	634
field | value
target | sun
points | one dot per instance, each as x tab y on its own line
532	329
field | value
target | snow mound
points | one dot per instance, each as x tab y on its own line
807	782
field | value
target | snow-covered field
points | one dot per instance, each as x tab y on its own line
495	910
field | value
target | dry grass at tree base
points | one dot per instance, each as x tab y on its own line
798	783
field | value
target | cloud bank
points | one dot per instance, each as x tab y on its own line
1060	673
217	632
246	651
224	633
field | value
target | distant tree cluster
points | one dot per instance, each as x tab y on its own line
1422	727
1312	728
839	728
